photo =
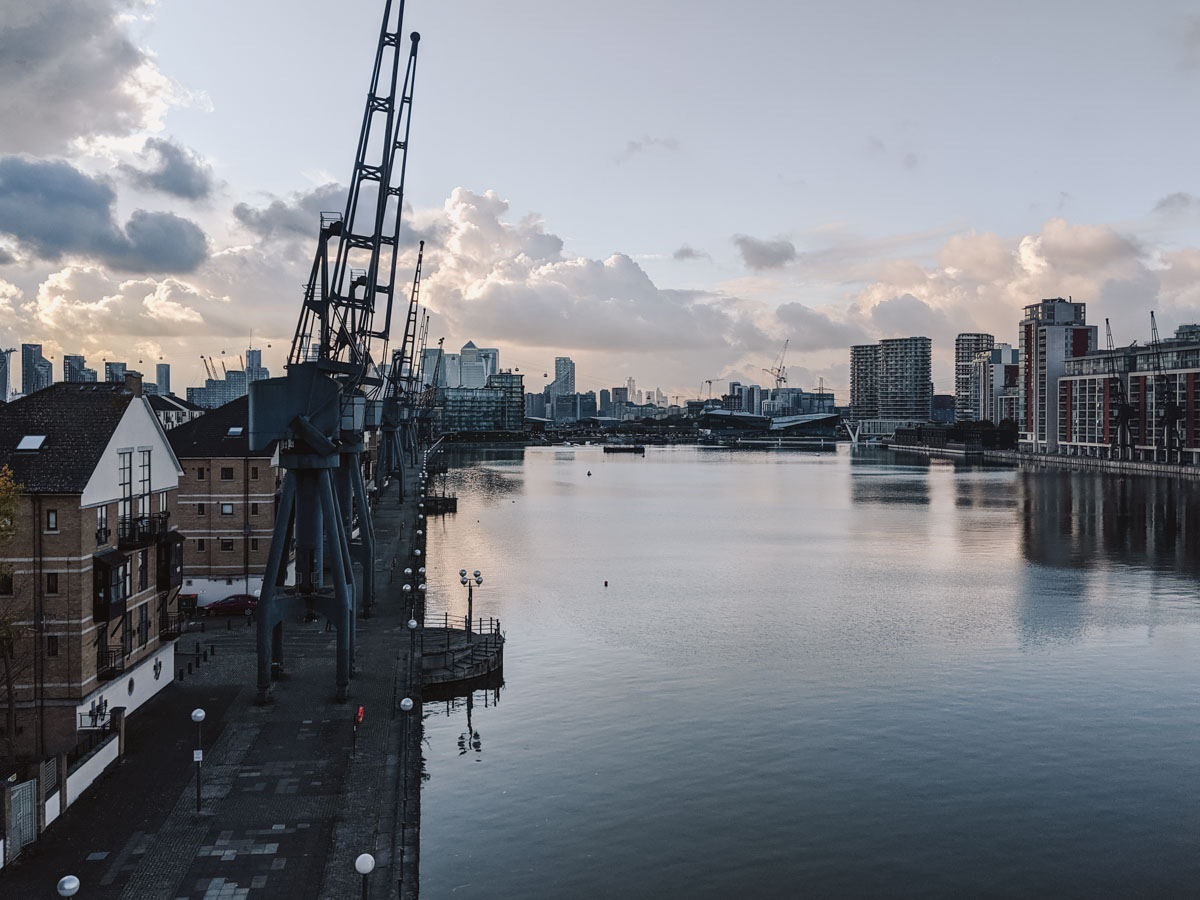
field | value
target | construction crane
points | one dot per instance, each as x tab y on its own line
1167	411
430	393
398	423
779	371
318	413
1116	398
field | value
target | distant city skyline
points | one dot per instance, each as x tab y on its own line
967	164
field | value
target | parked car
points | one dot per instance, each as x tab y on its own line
233	605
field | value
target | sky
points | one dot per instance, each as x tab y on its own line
664	191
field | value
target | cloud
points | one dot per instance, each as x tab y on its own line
644	143
297	215
176	170
6	257
69	71
685	253
1178	202
53	209
759	254
810	329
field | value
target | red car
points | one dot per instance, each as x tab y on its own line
233	605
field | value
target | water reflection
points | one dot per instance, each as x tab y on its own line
440	700
1081	520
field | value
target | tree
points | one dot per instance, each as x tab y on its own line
11	632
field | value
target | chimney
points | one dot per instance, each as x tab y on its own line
133	383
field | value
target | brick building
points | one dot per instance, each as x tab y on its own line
91	575
227	500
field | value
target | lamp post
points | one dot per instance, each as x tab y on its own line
68	886
198	755
364	866
478	579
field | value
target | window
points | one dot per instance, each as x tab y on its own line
234	431
52	520
162	501
200	508
102	518
127	578
227	473
144	486
6	587
127	633
226	544
125	508
253	543
51	582
200	473
200	544
254	509
51	645
143	569
227	509
254	473
143	632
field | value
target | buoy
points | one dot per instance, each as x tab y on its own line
589	473
606	584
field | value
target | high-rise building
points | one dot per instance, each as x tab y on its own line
490	357
255	371
471	368
605	402
1052	332
905	386
162	378
864	382
967	347
4	377
73	367
114	372
37	372
993	385
564	377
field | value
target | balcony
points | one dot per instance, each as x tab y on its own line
134	532
170	626
102	536
110	662
160	523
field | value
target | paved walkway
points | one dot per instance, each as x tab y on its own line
290	794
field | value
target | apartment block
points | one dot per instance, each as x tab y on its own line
1052	332
92	573
967	347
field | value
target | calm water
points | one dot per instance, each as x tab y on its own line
818	675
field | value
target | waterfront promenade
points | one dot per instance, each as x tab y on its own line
290	794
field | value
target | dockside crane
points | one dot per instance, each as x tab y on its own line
319	412
1167	412
1122	440
398	426
779	371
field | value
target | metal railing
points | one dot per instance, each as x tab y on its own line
170	626
95	718
110	662
102	536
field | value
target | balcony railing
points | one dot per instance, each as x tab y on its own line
133	532
160	522
110	662
102	536
170	626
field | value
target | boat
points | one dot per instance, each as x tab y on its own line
625	448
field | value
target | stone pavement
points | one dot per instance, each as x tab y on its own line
291	795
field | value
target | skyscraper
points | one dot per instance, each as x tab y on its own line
4	379
905	386
564	377
967	347
1052	332
114	372
864	382
254	367
37	372
163	378
73	367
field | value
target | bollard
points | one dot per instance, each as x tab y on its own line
181	674
189	668
212	649
202	626
229	624
206	656
197	648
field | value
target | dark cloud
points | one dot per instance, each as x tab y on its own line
298	215
6	257
907	316
67	69
644	143
812	330
1178	202
685	253
175	170
760	255
53	209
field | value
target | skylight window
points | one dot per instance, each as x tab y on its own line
234	431
31	442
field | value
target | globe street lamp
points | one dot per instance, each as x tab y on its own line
198	754
364	865
462	577
68	886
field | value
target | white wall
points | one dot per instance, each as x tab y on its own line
52	806
139	428
145	685
79	780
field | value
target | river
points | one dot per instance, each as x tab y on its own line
838	674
